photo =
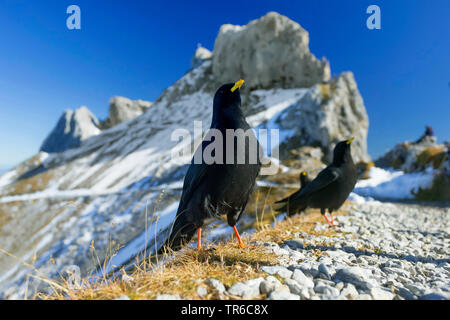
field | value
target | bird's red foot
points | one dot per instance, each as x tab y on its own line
244	246
241	244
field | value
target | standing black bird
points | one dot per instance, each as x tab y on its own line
222	187
332	185
304	180
284	204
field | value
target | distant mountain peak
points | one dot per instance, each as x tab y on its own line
72	128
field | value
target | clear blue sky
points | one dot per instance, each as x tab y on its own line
138	48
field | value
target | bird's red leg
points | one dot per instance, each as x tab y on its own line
241	244
199	238
331	223
332	219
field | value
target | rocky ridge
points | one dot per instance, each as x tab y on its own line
415	156
122	109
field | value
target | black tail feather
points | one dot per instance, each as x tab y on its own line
287	205
280	205
182	232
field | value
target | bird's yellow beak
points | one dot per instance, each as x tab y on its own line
350	140
237	85
304	173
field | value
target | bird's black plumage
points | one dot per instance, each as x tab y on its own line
214	189
304	179
284	204
332	185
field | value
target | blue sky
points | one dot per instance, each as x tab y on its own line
138	48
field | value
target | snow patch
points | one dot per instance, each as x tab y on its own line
393	184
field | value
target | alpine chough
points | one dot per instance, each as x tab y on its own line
284	204
222	187
330	188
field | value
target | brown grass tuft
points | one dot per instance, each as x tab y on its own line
434	155
188	269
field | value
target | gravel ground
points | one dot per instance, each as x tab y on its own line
381	251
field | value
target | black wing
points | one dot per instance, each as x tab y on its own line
185	224
194	177
324	178
297	200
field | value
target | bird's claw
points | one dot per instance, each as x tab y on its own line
244	246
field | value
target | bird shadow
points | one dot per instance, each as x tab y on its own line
424	233
433	204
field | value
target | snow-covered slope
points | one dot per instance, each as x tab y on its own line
393	184
109	188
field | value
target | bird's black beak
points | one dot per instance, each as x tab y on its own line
237	85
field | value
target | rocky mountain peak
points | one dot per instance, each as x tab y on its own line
122	109
72	128
201	55
267	52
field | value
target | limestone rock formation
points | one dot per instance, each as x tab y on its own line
122	109
201	55
411	156
270	51
72	128
326	114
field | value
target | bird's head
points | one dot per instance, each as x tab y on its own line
342	151
228	95
303	177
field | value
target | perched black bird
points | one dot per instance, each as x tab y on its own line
222	187
284	204
304	180
331	187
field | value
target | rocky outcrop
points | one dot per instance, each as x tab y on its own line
305	158
273	52
328	113
72	128
122	109
413	156
268	52
201	55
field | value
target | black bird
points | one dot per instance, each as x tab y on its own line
331	187
223	187
304	180
284	204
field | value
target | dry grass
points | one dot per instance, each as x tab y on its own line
363	169
434	155
188	269
34	183
181	275
325	90
184	271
